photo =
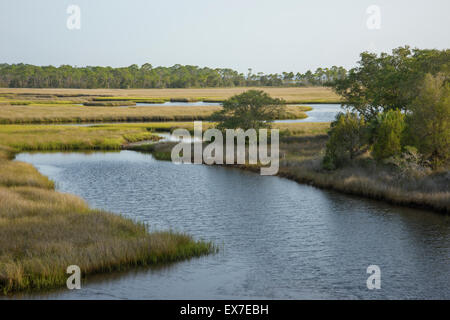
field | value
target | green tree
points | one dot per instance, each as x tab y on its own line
389	82
429	120
389	134
251	109
347	138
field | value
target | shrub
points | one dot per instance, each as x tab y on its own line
429	120
388	134
347	137
410	164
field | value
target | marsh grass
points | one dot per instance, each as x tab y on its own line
73	114
52	230
49	137
291	95
42	231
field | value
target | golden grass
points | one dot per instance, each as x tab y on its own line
72	113
42	231
54	137
297	95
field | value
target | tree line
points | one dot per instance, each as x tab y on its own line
146	76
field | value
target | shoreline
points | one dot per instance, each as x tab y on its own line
96	240
347	184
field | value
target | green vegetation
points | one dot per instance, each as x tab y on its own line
388	135
347	136
401	131
406	92
429	121
146	76
390	82
41	137
252	109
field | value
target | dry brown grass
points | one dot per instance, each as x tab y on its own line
364	177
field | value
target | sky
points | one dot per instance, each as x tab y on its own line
267	36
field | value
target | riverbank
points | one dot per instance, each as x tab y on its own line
301	156
52	230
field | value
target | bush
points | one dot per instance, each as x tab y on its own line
347	137
388	134
410	164
429	120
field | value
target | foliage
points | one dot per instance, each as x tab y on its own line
251	109
347	137
178	76
389	82
389	134
429	120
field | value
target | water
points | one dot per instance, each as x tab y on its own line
278	239
319	113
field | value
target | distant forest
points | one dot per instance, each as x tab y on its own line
146	76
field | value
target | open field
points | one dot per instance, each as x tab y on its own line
57	113
291	95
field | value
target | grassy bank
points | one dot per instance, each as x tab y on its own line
48	137
42	231
57	113
291	95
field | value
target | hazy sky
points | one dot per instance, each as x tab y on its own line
267	36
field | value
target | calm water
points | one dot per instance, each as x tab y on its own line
278	239
319	113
